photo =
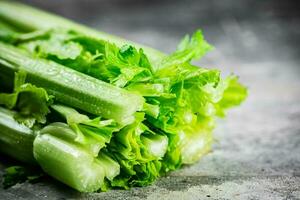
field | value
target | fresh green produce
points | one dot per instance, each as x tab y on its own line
16	139
95	111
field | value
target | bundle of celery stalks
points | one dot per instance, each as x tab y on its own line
95	111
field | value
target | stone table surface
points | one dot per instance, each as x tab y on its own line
257	153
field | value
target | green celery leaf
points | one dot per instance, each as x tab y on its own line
31	102
189	48
97	58
139	152
234	94
146	173
172	160
51	43
94	133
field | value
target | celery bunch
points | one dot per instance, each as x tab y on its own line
96	111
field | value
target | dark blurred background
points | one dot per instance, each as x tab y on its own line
257	155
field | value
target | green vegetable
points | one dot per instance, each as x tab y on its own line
110	113
94	133
78	167
90	95
25	18
139	152
51	152
16	139
31	102
78	142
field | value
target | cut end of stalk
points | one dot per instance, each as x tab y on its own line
68	163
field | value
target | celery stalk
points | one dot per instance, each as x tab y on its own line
73	88
25	18
55	147
69	163
16	140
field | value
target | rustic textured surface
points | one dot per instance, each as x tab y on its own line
257	155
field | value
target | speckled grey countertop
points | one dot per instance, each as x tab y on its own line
257	155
